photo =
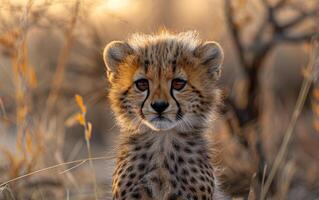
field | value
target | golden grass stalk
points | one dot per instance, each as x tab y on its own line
310	74
88	134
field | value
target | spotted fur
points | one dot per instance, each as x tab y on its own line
164	154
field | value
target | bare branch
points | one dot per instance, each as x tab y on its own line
259	34
229	12
299	19
271	15
266	3
261	53
297	38
280	4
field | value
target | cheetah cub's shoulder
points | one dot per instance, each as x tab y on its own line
163	94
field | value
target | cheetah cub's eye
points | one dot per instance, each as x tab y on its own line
178	84
142	84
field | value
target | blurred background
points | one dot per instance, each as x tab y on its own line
51	51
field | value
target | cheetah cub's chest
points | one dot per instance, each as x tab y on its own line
164	166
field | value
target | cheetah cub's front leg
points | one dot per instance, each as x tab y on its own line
163	93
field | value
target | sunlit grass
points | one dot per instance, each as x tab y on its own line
81	118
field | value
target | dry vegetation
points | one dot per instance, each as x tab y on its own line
56	131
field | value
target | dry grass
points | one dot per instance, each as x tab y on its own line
310	74
34	139
44	153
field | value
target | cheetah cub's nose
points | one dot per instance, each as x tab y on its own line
159	106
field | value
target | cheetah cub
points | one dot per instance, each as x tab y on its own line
163	94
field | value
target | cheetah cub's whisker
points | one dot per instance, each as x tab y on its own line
163	94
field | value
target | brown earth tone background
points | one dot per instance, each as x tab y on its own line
267	134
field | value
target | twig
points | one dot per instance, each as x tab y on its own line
60	69
234	31
297	38
53	167
263	178
310	76
8	195
58	157
297	20
92	168
2	109
75	166
280	4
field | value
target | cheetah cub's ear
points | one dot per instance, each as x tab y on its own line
211	56
114	54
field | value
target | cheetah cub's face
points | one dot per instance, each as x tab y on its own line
163	81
